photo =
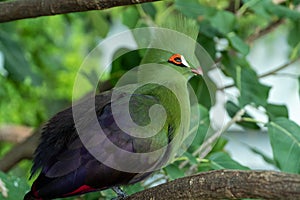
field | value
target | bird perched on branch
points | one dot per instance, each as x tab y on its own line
91	146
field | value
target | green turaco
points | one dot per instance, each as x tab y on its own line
124	134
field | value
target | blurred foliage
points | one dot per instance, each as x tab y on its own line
40	58
14	185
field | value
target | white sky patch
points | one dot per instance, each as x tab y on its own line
3	71
3	189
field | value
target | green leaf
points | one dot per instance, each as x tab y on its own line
130	16
219	146
99	23
268	9
202	13
208	43
203	127
15	61
274	111
294	32
130	189
207	30
237	43
16	186
231	63
249	24
192	8
192	159
123	60
204	90
246	81
149	9
173	171
281	11
223	21
296	2
295	52
258	7
107	194
285	141
221	160
204	166
293	40
251	90
232	109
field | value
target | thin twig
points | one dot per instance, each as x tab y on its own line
272	72
293	76
206	147
279	68
261	32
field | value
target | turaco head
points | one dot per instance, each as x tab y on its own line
174	61
181	64
174	46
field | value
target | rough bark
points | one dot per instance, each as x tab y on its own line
227	184
21	9
14	133
19	152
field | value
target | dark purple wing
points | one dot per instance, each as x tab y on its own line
60	131
67	167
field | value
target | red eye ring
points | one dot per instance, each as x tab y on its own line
176	59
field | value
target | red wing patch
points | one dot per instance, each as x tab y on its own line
35	193
82	189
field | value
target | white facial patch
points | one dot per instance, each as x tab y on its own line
184	62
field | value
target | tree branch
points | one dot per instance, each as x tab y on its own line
20	152
14	133
226	184
21	9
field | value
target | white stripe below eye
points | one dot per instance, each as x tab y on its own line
184	62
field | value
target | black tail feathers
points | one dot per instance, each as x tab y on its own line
29	196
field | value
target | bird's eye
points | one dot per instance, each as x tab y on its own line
178	60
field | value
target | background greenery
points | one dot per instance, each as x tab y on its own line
41	58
